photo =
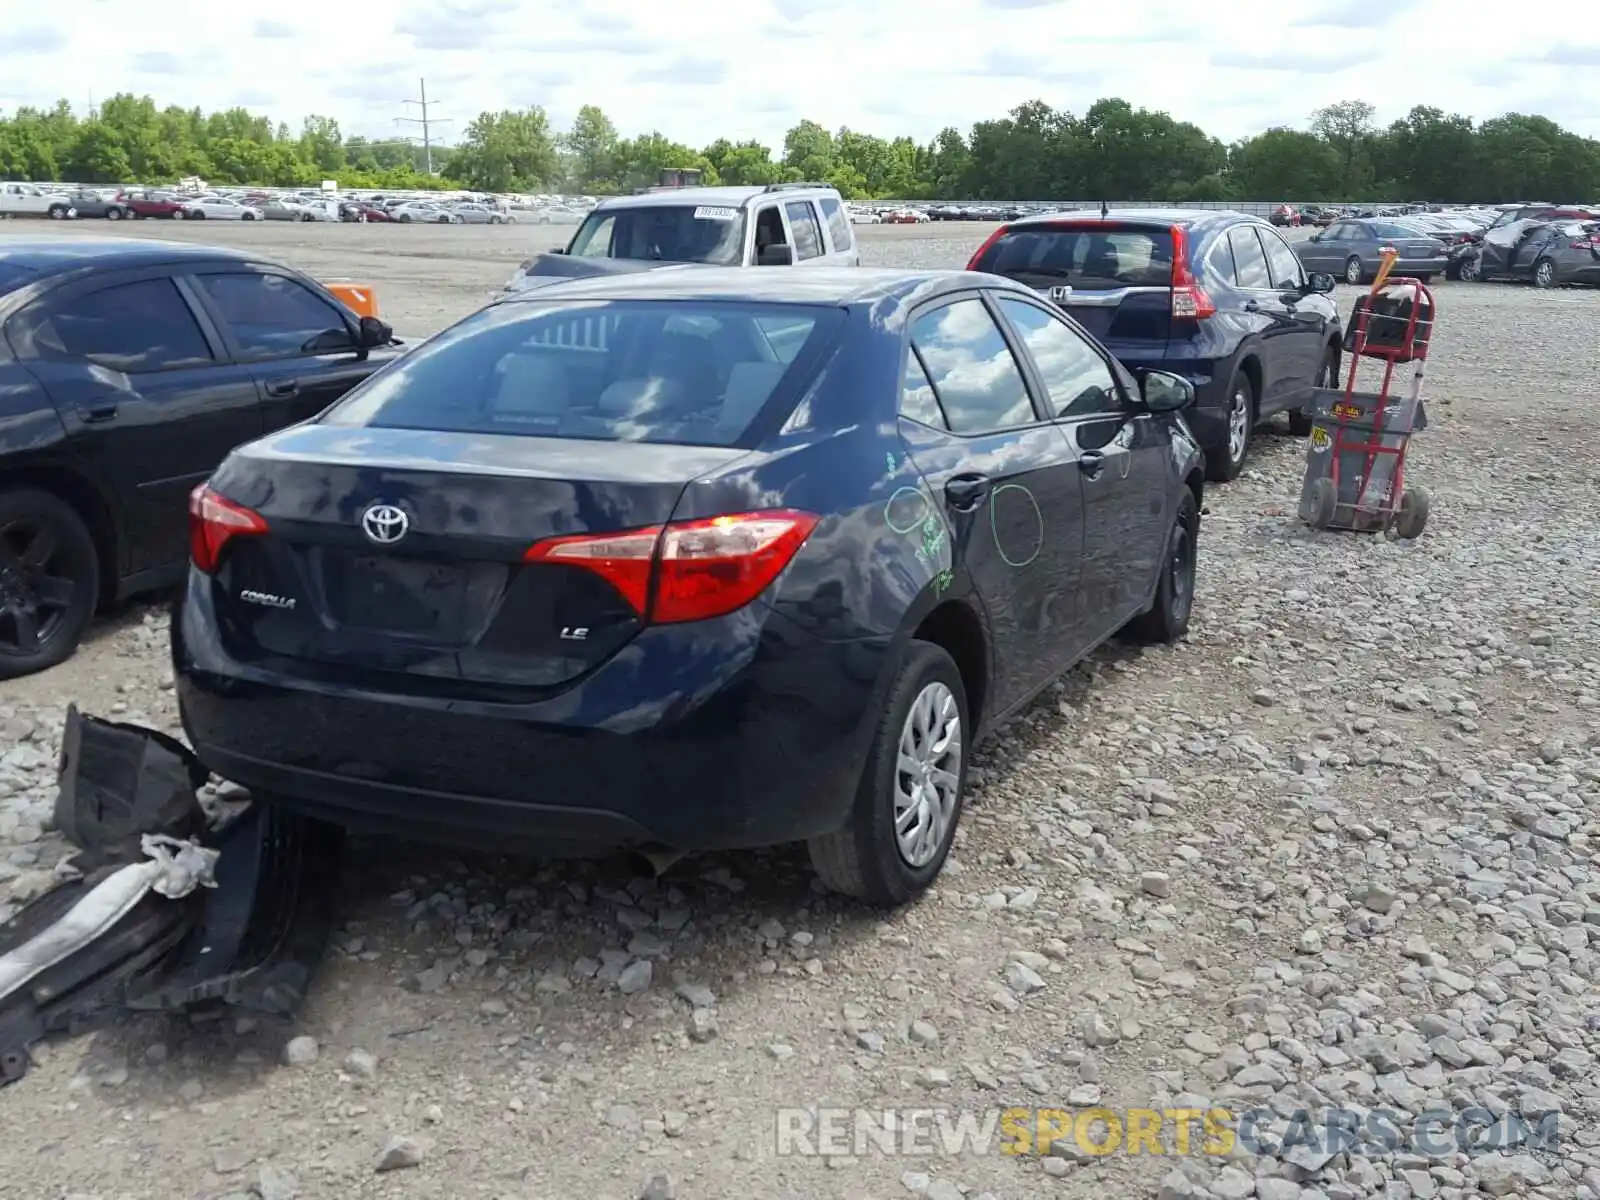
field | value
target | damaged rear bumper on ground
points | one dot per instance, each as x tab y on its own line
164	907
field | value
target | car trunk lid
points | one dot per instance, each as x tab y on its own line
400	551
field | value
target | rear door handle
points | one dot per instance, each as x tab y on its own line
1091	462
966	492
98	414
288	387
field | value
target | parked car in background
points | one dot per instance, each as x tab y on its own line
1218	298
414	212
88	204
128	369
360	211
780	225
148	202
1351	249
277	209
1543	253
32	200
217	208
680	588
479	214
1285	214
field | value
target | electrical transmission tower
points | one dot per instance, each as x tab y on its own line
427	122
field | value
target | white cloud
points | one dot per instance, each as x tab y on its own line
697	71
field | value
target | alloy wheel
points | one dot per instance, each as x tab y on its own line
36	597
927	776
1352	270
1238	423
1544	275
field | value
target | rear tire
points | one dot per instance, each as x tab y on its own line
49	580
113	214
1167	619
1412	516
59	212
1544	273
1324	503
868	858
1224	462
1353	272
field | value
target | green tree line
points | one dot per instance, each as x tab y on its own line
1112	151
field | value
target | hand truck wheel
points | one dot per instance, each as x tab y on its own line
1412	516
1324	503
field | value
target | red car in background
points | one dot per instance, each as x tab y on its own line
1285	214
150	203
352	210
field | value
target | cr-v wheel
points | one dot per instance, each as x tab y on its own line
909	800
49	581
1224	462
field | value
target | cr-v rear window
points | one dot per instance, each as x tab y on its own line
683	372
1083	257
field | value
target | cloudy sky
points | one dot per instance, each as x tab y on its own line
701	70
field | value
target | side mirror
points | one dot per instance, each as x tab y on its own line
1163	391
375	333
557	250
779	255
1321	283
1315	237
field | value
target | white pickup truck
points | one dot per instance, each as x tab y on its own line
31	200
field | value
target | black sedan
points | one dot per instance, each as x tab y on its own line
1545	254
128	369
683	560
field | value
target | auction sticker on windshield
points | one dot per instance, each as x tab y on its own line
710	213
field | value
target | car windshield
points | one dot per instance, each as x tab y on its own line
1083	257
628	370
706	233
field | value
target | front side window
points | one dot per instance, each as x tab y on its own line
271	316
131	327
706	233
1281	262
685	373
979	385
807	232
1078	379
838	223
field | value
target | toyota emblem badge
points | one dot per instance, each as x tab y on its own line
385	524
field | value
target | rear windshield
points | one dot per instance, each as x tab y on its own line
688	373
1090	258
705	233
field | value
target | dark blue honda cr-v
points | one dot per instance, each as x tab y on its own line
1216	297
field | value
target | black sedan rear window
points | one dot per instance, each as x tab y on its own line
1083	257
687	373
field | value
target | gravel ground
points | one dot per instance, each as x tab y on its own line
1334	851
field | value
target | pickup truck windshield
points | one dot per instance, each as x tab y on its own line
682	233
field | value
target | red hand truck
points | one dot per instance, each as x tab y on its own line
1355	466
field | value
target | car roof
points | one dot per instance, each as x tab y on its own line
50	253
836	286
1189	218
729	197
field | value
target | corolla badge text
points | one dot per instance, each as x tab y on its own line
251	596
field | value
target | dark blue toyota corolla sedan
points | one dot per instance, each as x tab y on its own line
684	560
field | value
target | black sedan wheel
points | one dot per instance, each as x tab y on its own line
49	581
909	800
1167	619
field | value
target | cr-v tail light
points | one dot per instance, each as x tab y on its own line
214	521
687	570
1190	301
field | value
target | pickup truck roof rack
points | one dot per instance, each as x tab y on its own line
786	187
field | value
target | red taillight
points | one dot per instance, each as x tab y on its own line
700	569
1189	300
972	263
213	521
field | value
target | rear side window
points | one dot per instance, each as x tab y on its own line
271	316
917	400
1249	263
975	375
631	371
838	223
807	232
1097	257
132	327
